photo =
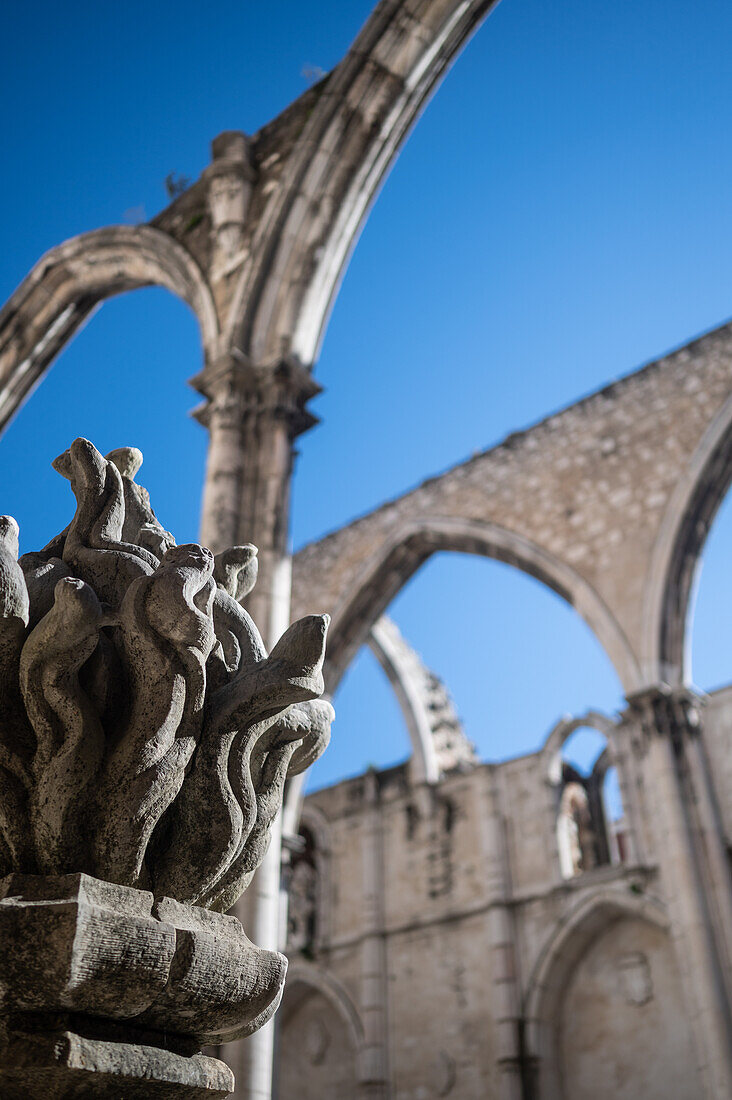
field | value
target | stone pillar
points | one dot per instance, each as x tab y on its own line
504	990
230	178
625	761
374	1068
253	416
671	723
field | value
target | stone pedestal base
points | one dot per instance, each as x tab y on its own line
106	992
62	1065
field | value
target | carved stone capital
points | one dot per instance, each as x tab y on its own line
674	713
239	393
229	180
100	973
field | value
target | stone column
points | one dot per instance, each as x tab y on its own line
684	844
374	1071
503	976
626	764
253	415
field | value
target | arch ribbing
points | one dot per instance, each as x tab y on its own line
365	109
310	977
413	543
564	729
677	552
65	286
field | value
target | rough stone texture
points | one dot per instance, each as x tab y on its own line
145	740
64	1066
95	949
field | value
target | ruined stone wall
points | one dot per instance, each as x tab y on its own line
620	1029
619	1003
717	741
498	974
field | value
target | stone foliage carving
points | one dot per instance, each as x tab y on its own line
145	733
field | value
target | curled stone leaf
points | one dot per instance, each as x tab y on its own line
94	548
42	574
140	524
70	739
166	635
238	731
271	759
235	570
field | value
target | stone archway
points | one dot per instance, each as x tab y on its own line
70	281
320	1038
604	1012
394	563
678	548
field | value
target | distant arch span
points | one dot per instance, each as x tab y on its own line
361	115
66	285
678	549
386	573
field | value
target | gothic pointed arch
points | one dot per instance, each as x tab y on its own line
349	129
584	924
566	726
69	282
389	568
678	548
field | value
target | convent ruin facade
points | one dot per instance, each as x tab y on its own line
457	929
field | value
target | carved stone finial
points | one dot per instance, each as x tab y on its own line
145	740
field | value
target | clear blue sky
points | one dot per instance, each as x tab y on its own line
560	215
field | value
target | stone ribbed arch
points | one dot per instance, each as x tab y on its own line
304	977
414	542
435	731
271	222
578	501
68	282
564	729
349	130
678	549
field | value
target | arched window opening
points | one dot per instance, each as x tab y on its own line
590	826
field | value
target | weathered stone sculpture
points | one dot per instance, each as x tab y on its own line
145	740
